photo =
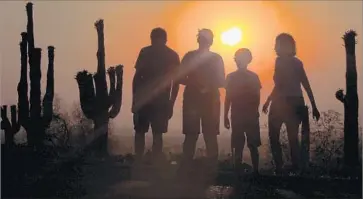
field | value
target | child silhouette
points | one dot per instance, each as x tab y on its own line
243	96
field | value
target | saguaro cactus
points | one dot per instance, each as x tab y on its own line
350	101
97	103
10	127
30	116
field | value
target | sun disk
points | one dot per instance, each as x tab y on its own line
232	36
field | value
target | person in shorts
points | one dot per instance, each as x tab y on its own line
243	97
202	74
154	91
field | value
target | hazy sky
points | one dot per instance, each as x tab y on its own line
68	25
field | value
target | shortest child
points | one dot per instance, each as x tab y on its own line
243	96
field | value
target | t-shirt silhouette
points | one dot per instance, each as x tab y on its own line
243	89
289	72
204	73
157	66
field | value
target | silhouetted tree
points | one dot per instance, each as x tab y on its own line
30	115
350	101
99	104
10	127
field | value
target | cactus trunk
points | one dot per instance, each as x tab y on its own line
35	106
96	102
30	113
350	101
351	110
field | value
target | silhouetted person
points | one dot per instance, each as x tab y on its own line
287	101
203	76
154	91
243	96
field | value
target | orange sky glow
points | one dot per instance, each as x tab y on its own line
316	26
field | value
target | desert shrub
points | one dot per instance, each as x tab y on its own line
81	127
58	134
326	143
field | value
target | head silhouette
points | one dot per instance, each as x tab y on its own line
158	36
205	38
243	57
285	45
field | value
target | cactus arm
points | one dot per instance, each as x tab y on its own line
111	74
15	125
340	95
35	77
49	93
87	94
23	102
117	101
6	126
5	123
30	26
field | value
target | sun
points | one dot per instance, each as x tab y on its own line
232	36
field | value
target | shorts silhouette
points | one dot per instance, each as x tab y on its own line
246	128
153	116
202	111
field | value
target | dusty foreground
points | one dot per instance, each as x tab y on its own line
110	179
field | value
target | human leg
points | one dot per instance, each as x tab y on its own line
211	144
159	126
210	116
292	128
238	143
141	126
254	141
274	126
189	145
296	108
255	156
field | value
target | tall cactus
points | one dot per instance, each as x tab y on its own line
10	127
30	116
97	103
350	101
